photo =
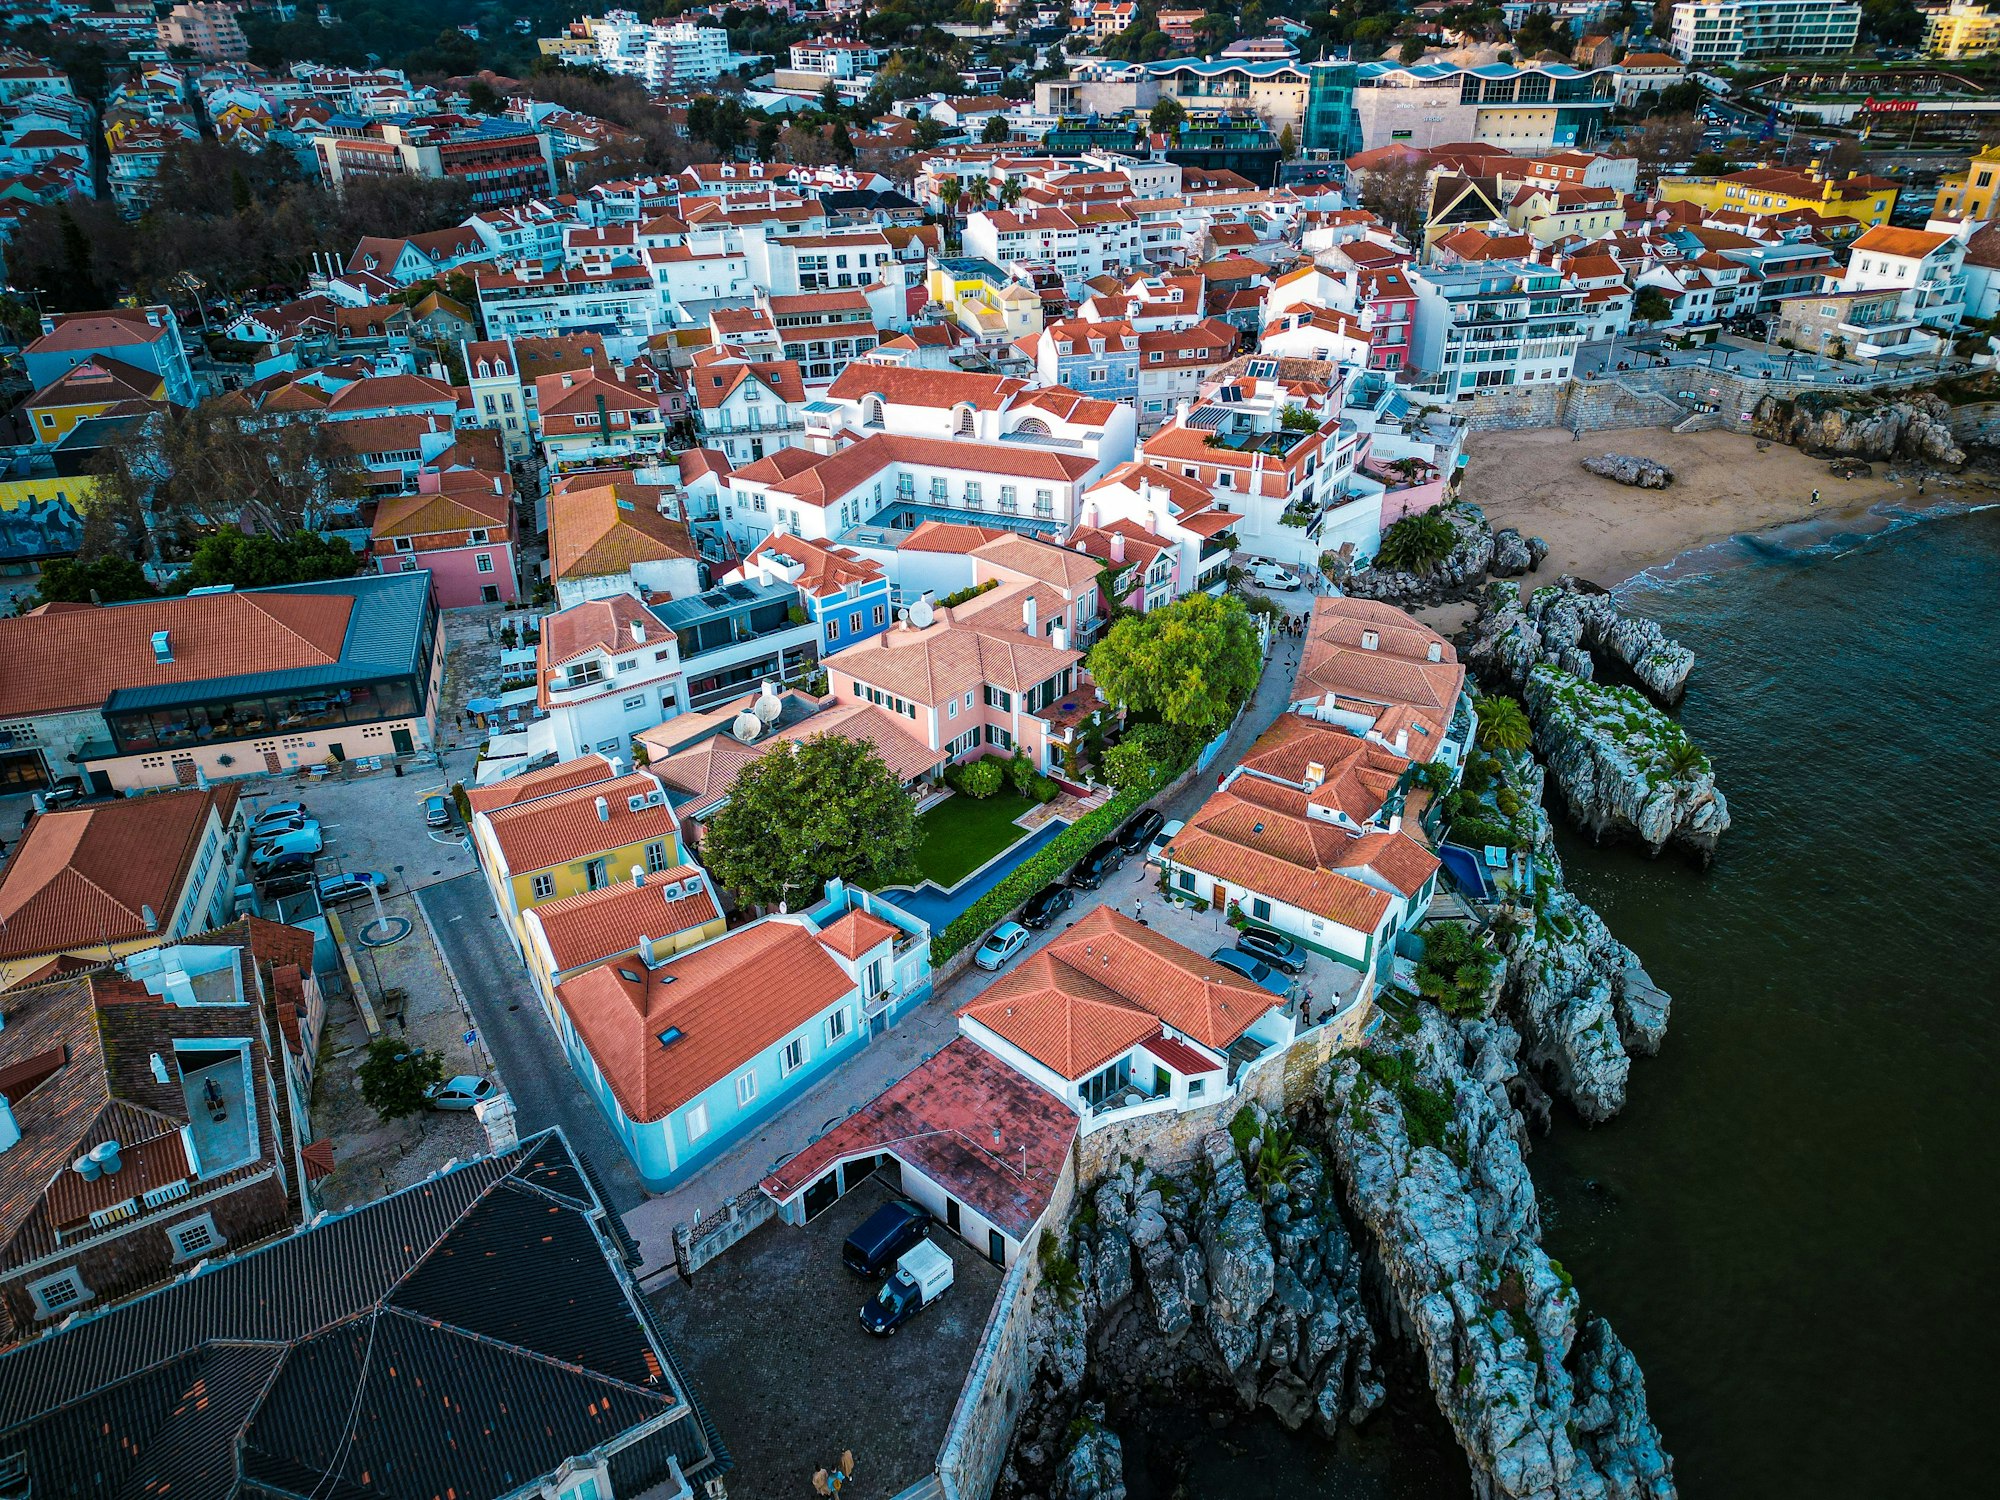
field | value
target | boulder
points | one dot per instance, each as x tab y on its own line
1627	468
1511	554
1538	551
1094	1468
1463	567
1915	426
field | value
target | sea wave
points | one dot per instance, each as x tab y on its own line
1813	540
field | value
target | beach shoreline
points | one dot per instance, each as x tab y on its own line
1727	496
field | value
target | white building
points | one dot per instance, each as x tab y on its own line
1729	31
1493	323
664	56
1926	269
607	669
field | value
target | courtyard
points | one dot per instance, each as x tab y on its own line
961	833
771	1335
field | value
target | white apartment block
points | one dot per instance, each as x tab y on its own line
1493	323
1729	31
663	57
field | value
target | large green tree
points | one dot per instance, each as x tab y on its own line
1188	665
250	562
802	814
394	1077
104	580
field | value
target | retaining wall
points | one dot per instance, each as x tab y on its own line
1654	398
695	1246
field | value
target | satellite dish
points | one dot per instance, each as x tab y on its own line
768	708
746	727
922	615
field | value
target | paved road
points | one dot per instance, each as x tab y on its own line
525	1052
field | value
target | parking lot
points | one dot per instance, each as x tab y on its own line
771	1334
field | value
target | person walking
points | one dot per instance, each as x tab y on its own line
1815	497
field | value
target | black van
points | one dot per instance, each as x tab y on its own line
883	1236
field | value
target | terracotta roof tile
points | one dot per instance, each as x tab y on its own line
565	826
595	925
597	529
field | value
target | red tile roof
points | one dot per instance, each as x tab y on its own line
582	771
856	932
601	525
730	1000
966	1121
565	826
595	925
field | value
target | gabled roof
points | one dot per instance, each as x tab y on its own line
954	656
1103	986
99	379
965	1120
346	1353
900	386
720	1005
582	771
469	507
567	826
599	625
108	329
1396	670
86	876
595	925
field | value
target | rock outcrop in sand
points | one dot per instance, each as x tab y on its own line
1831	424
1626	468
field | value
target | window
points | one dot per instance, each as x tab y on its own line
1197	1087
56	1294
634	703
999	698
1185	880
940	490
879	616
951	709
697	1122
836	1026
656	856
194	1238
477	536
746	1088
793	1057
854	622
1260	909
404	544
483	562
544	886
408	565
972	492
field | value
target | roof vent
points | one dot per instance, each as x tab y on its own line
603	811
163	651
1370	640
638	874
1434	652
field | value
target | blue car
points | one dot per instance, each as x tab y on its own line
1253	969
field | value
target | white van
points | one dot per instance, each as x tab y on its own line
1268	575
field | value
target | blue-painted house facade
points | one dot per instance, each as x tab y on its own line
686	1055
846	595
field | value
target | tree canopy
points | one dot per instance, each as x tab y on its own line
800	815
253	562
102	580
1188	665
394	1077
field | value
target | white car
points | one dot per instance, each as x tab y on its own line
292	841
1268	575
1162	839
1001	944
462	1092
279	812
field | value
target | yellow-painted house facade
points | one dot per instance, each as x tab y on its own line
88	390
584	825
1776	190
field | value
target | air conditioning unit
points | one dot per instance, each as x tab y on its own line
635	802
656	799
671	890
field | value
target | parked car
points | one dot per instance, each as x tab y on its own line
923	1274
1274	948
62	792
1091	871
264	833
292	841
1163	840
291	871
883	1236
1252	968
1139	830
1050	902
437	813
1001	944
1268	575
350	885
462	1092
279	812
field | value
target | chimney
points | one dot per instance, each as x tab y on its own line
1118	546
150	918
1403	741
1315	774
603	811
638	632
163	651
10	1129
617	766
1059	636
638	874
1028	614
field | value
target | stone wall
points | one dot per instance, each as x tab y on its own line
1976	424
695	1246
989	1403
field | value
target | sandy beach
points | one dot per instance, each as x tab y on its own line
1723	487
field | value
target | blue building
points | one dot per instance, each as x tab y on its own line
1098	359
845	594
686	1052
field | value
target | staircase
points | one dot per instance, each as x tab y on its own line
930	1487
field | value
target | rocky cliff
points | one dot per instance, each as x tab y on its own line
1572	624
1549	1405
1625	770
1832	424
1235	1278
1475	552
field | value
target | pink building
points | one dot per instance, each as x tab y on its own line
460	525
987	677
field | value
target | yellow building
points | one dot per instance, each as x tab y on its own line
90	884
583	825
1548	214
1971	194
88	390
1778	190
1961	30
643	919
984	300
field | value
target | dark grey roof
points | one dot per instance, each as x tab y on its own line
385	639
390	1352
723	599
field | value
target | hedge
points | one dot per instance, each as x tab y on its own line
1049	863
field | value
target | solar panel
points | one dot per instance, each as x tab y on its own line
1207	418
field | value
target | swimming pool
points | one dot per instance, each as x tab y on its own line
939	907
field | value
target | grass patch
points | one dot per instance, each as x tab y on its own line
962	833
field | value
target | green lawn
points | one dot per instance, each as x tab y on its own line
962	833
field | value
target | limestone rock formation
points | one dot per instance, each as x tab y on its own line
1512	555
1571	624
1834	424
1628	468
1546	1406
1467	563
1625	770
1094	1468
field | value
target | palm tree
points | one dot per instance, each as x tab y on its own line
1277	1161
1684	759
1416	544
1010	192
1503	725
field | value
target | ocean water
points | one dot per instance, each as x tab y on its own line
1794	1223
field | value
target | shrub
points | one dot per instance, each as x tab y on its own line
1416	544
1021	773
1045	789
981	778
1128	764
964	594
1455	969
